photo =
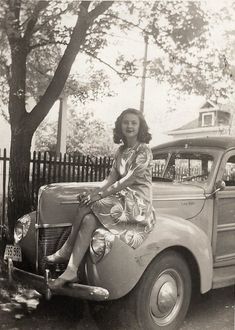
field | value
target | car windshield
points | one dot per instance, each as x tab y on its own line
182	166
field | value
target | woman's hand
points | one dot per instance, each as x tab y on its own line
87	199
81	196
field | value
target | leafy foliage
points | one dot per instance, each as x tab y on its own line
187	59
47	43
86	135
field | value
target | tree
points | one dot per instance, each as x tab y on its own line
44	37
86	135
27	26
194	63
188	58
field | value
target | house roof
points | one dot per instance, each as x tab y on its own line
194	124
209	104
190	125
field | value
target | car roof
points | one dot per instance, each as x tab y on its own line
219	142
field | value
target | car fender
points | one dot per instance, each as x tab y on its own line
173	232
120	270
28	242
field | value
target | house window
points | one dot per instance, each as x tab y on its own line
208	119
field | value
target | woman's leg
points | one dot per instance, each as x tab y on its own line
63	254
81	244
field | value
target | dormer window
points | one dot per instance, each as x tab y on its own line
208	119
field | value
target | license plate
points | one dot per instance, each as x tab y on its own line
13	252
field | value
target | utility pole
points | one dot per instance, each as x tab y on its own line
146	38
61	130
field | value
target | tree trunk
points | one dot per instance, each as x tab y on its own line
23	124
18	194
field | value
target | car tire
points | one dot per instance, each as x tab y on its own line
160	299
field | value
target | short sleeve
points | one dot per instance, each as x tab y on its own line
114	172
142	160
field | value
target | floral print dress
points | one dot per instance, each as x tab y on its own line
129	213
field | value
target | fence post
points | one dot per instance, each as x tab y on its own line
96	168
69	169
87	169
4	173
83	168
49	168
44	167
79	161
33	198
73	168
64	167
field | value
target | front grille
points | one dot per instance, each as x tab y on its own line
50	240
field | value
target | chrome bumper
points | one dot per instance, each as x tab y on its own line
40	284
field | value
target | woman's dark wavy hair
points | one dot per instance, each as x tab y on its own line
143	135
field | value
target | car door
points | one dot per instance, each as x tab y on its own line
224	249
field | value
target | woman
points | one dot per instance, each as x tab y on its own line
122	203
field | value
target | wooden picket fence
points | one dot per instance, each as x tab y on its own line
46	168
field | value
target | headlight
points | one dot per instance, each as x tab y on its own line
21	228
101	244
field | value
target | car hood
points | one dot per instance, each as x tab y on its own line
181	199
57	202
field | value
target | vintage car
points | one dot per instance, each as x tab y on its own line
191	247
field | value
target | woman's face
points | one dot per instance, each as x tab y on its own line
130	125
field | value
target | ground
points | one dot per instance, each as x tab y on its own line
22	308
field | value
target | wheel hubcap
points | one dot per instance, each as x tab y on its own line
166	297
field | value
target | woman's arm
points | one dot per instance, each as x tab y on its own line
111	178
140	163
97	193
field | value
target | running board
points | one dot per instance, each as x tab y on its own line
223	276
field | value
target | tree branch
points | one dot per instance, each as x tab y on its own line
171	54
45	74
85	4
12	21
102	61
49	18
128	22
121	74
45	43
61	74
14	6
99	9
42	4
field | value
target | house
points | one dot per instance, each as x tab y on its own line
213	120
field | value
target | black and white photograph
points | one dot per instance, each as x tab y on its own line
117	165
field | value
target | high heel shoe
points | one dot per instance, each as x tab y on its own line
60	256
55	258
69	276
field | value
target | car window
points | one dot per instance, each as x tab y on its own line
183	166
159	164
229	172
